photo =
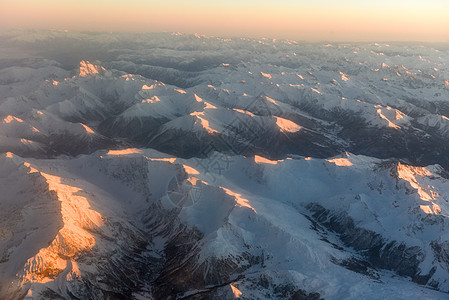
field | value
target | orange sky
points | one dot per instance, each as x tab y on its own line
311	20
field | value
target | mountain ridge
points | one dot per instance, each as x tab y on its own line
187	167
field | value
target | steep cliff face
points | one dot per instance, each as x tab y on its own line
61	240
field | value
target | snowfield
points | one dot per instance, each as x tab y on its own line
170	166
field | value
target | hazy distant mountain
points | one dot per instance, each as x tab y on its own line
168	166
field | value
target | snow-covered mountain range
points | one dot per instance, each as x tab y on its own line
171	166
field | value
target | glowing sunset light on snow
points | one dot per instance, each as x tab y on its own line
341	162
224	149
209	106
26	141
9	119
203	122
171	160
124	151
87	68
153	99
191	171
410	174
287	125
236	291
146	87
239	199
72	239
244	112
271	100
344	77
390	124
31	169
198	98
260	159
266	75
87	128
193	180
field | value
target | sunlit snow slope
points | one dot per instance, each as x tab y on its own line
170	166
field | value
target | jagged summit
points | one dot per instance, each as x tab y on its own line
87	68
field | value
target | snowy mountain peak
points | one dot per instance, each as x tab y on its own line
87	68
197	167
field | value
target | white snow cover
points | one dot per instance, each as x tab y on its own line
250	203
69	220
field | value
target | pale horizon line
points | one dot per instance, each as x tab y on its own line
208	35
